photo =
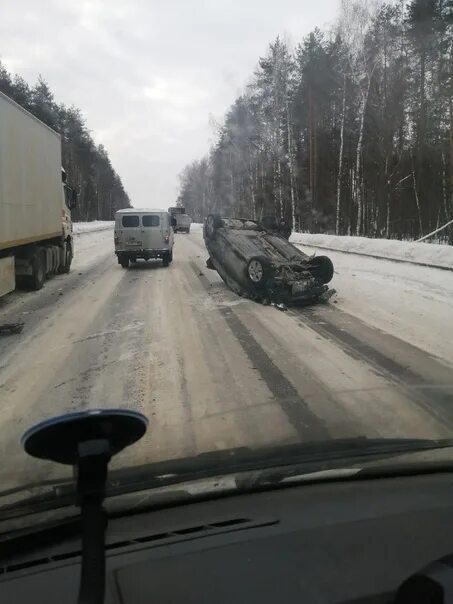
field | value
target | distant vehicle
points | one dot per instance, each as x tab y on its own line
143	234
177	210
261	264
35	202
183	222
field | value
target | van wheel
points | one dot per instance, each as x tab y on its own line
124	261
170	257
38	267
166	260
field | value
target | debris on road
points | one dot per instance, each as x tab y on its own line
259	263
8	329
280	306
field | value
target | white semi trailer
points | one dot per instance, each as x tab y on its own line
35	201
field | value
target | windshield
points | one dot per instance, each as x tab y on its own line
297	298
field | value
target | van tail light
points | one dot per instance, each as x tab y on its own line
167	238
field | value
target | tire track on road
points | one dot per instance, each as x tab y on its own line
307	425
423	378
39	306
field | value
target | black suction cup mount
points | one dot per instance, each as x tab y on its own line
87	440
57	439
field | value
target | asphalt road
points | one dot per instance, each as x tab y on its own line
209	369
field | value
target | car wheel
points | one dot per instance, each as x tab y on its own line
213	222
257	271
166	260
170	257
124	261
321	268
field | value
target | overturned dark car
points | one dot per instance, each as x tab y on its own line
256	261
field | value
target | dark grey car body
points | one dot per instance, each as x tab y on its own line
261	264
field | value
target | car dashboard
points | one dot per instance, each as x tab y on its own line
330	542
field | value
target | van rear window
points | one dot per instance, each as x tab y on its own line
151	220
130	221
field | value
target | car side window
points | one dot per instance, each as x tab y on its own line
151	220
130	221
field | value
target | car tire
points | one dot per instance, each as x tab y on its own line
38	267
213	222
257	271
321	267
124	261
166	260
170	257
68	258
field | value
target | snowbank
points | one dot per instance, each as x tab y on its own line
428	254
95	225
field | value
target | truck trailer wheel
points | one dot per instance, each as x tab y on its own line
38	267
68	258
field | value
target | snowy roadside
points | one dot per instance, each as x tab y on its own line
413	303
426	254
89	227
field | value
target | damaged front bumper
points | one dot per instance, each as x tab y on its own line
294	293
303	290
291	285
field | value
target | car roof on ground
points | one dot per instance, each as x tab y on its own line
141	211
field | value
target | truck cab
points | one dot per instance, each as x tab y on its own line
143	234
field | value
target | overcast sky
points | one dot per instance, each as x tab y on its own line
148	74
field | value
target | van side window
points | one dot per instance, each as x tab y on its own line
130	221
151	220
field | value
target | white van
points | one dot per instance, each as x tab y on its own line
143	234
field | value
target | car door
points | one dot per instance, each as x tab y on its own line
131	232
152	226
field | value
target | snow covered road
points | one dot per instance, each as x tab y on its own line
213	371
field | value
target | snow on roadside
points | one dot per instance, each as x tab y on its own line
423	253
94	225
411	302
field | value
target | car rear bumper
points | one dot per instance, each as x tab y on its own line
156	253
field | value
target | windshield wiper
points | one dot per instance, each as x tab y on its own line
243	459
309	456
249	470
